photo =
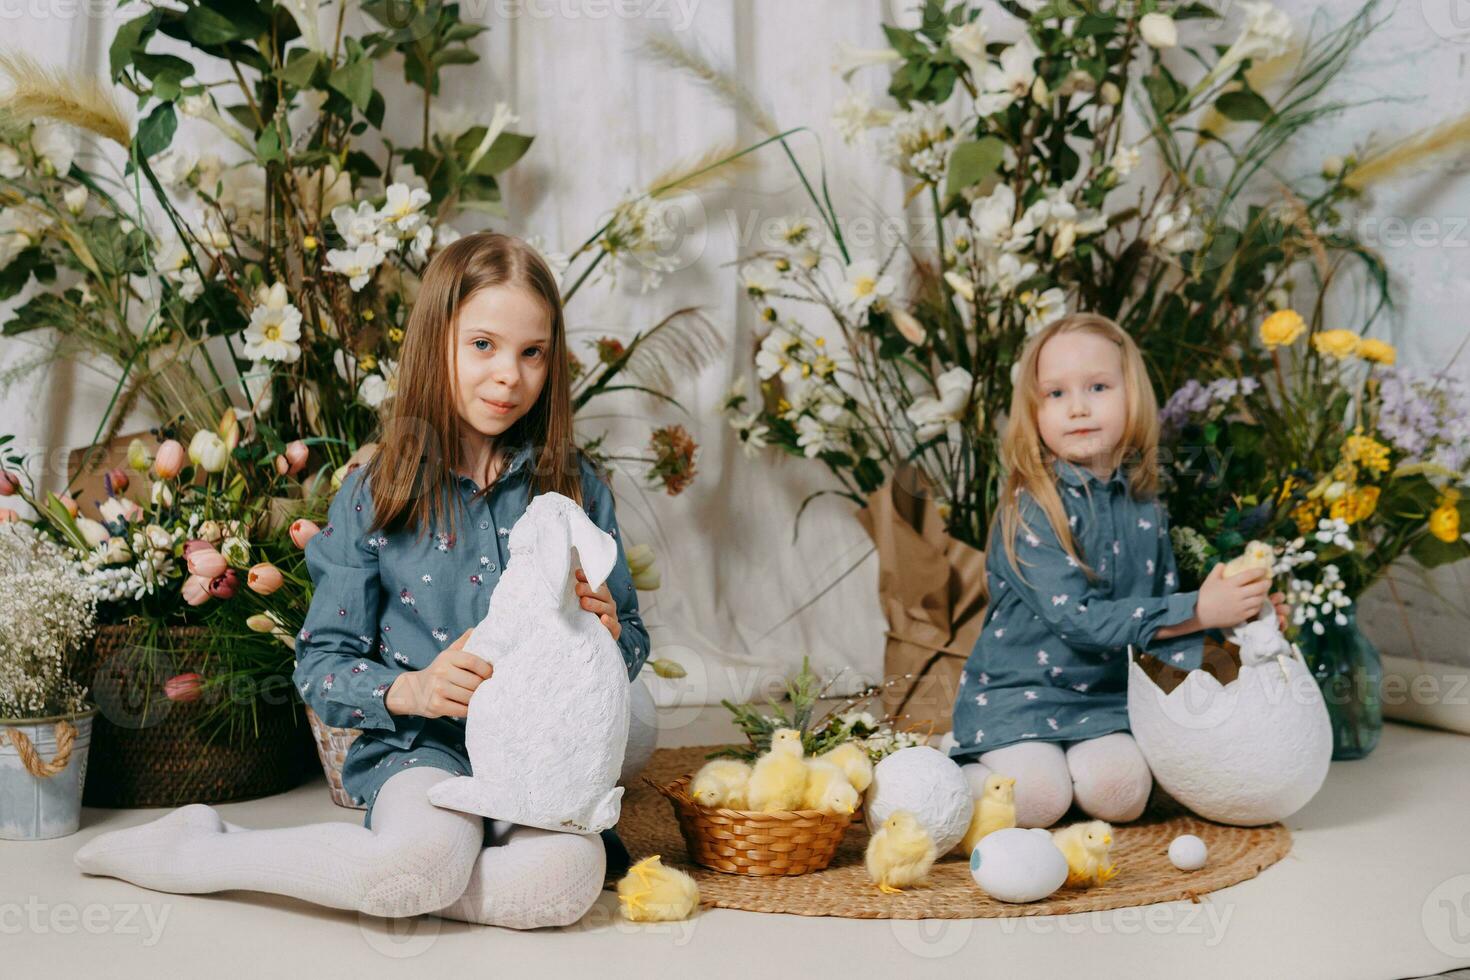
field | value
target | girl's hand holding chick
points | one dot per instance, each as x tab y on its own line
599	601
1226	602
442	689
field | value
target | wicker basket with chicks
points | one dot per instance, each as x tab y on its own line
781	805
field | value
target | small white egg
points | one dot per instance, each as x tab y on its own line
1187	852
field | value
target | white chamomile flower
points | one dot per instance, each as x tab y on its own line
275	327
865	284
357	264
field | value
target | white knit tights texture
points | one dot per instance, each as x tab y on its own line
1107	776
417	858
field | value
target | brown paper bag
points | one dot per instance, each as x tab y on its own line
932	589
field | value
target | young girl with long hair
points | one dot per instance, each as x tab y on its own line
1079	566
414	545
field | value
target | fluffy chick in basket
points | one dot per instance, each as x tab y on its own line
827	789
721	782
651	892
853	760
995	810
900	853
778	780
1085	846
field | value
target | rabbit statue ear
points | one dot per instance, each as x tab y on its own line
553	554
597	550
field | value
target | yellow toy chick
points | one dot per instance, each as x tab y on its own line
994	810
1085	846
1257	554
827	789
853	760
721	782
900	854
778	780
651	892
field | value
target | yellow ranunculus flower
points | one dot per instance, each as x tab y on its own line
1355	505
1336	343
1306	515
1281	328
1365	451
1377	351
1444	523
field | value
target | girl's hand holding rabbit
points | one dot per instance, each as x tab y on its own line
442	689
599	602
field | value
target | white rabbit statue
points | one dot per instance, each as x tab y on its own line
547	731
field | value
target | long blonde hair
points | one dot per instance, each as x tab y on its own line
421	448
1027	461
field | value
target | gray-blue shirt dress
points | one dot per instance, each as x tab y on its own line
1051	661
388	602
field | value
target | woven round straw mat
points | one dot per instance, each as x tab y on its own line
1139	851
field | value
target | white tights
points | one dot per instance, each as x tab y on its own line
416	858
1107	776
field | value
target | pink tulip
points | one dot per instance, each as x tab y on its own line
303	531
206	563
223	585
169	460
183	687
296	453
264	578
194	544
69	504
196	590
116	481
9	484
7	515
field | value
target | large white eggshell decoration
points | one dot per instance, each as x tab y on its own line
1018	865
928	784
642	731
1246	753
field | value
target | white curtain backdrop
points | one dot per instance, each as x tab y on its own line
607	119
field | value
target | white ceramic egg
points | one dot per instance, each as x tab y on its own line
1188	852
928	784
1018	865
642	731
1246	753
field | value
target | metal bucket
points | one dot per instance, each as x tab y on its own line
34	807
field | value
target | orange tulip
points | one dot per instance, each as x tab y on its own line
264	578
303	531
169	460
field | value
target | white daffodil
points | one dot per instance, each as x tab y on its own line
357	263
363	226
275	327
1043	308
378	387
1010	80
1125	160
775	356
1173	228
854	115
1158	30
10	165
173	166
996	224
865	284
851	58
967	41
403	211
1006	271
932	414
56	144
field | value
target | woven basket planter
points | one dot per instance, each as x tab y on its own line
148	754
331	749
749	842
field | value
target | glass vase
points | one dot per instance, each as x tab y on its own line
1347	668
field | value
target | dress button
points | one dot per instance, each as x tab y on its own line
484	525
491	566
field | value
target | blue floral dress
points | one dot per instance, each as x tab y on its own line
1051	660
389	602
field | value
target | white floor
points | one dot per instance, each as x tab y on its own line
1377	886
